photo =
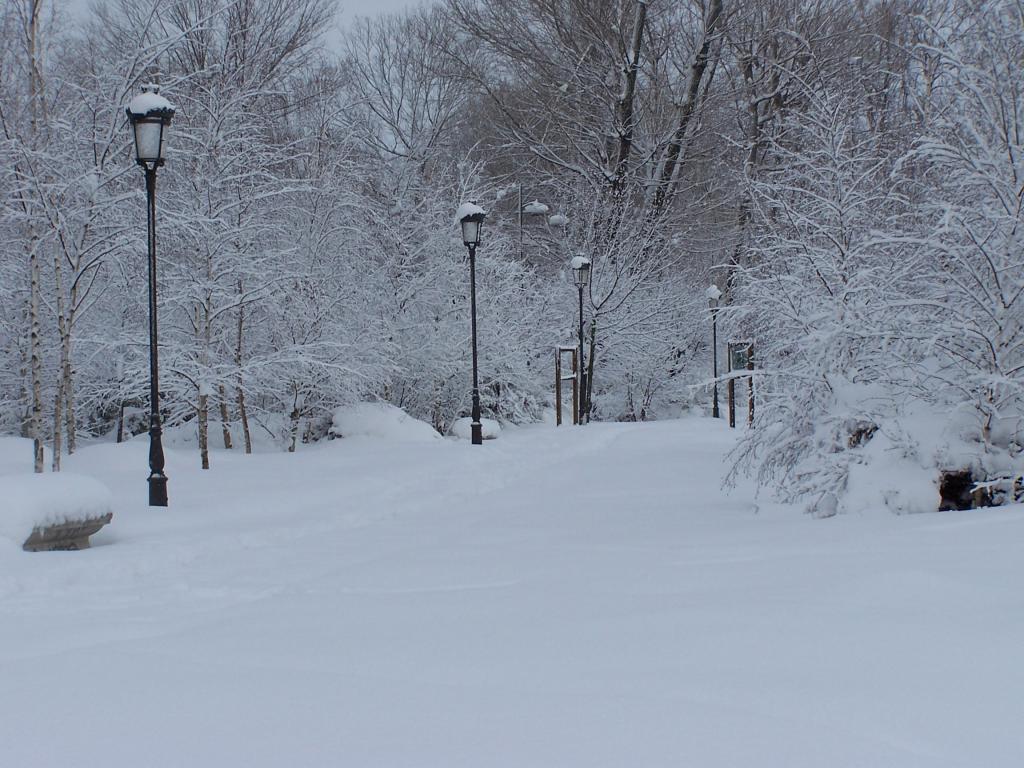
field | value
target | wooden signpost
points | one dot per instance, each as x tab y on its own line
741	358
572	376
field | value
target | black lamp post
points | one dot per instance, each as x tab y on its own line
471	217
150	114
581	276
713	295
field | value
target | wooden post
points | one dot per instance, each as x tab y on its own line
575	389
731	388
750	386
558	387
560	377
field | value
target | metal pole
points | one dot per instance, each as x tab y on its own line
157	478
582	366
476	432
714	358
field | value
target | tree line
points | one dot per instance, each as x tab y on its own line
845	172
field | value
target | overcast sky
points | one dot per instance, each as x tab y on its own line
372	7
347	9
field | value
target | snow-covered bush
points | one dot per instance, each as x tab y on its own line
380	420
970	166
824	297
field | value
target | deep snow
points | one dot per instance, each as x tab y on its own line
558	597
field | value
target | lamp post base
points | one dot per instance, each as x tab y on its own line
158	490
476	433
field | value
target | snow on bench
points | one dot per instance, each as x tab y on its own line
52	511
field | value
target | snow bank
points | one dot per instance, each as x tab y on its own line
268	432
31	501
16	455
462	428
380	420
891	477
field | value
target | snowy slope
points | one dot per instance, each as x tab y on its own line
558	597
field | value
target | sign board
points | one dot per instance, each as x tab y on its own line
739	355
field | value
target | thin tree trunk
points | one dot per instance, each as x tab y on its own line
667	181
243	415
35	355
202	413
224	423
202	409
625	109
58	399
244	418
63	334
590	368
70	420
294	430
35	358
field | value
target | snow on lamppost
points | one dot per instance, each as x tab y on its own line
713	295
581	276
471	218
150	115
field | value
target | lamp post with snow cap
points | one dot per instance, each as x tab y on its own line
581	276
713	295
471	218
150	115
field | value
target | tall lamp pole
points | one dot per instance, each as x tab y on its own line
471	218
713	296
581	276
150	115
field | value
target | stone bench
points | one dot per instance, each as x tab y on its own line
65	537
47	511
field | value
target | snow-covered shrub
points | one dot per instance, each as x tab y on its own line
380	420
823	296
970	167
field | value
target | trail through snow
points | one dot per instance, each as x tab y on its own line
558	597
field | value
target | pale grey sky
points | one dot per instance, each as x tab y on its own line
373	7
346	8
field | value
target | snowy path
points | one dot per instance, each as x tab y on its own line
574	597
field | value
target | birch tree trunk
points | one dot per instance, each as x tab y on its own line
202	320
65	344
35	358
224	423
35	355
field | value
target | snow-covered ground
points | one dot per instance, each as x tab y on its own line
558	597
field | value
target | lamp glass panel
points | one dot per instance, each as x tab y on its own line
148	140
471	232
